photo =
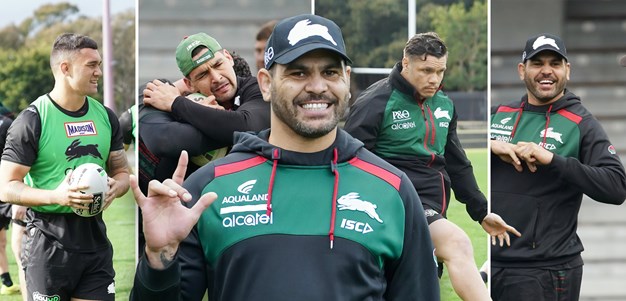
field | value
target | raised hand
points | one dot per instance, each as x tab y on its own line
166	221
160	95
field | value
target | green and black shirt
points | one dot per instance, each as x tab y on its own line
52	141
339	224
419	137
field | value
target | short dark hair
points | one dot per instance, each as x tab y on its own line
67	44
424	44
241	67
266	30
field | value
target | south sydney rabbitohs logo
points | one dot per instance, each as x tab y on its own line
439	113
75	150
352	201
246	209
550	133
402	120
304	29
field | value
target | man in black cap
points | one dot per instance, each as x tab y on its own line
302	212
547	151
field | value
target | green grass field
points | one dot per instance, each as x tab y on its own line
120	220
458	215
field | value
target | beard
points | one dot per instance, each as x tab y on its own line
545	96
287	112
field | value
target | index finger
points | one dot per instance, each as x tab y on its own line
181	168
134	187
514	231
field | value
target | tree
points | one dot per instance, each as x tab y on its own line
11	37
376	31
24	75
465	33
24	60
123	27
50	14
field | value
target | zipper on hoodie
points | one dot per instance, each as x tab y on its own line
429	128
535	227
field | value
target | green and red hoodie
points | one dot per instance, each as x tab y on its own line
339	224
419	137
544	205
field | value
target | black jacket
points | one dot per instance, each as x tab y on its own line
544	205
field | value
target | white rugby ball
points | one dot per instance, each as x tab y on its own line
197	97
94	176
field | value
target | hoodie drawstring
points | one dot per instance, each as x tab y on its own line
334	170
545	130
275	157
519	116
333	216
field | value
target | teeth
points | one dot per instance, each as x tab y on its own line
315	106
546	82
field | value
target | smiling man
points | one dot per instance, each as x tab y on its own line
67	255
302	212
547	151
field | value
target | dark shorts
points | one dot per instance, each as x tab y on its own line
536	284
431	214
433	188
5	215
53	272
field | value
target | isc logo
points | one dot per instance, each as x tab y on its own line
356	226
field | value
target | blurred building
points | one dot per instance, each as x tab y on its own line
234	23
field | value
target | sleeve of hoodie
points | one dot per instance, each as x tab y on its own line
220	125
414	275
166	137
364	119
461	173
186	277
598	172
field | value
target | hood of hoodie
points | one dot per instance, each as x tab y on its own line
249	142
567	100
341	150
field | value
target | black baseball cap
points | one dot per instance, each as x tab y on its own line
295	36
541	42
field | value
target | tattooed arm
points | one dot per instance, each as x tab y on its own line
118	171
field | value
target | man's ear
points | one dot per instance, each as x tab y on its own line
229	57
521	68
65	68
405	62
188	83
265	84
